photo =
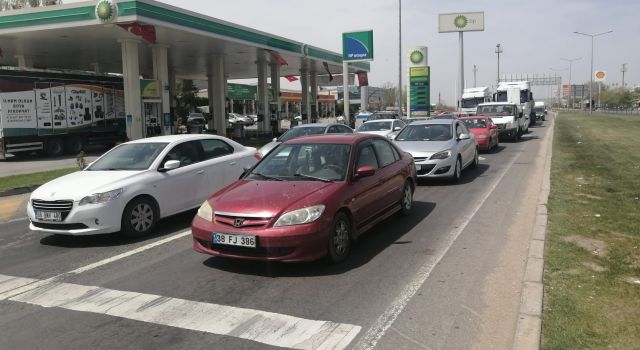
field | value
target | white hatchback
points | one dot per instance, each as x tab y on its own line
137	183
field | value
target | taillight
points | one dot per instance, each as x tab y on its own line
258	155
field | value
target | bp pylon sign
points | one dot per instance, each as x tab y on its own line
357	46
419	94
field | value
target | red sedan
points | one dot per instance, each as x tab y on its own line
307	199
484	129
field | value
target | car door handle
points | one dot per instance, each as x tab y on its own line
232	163
200	172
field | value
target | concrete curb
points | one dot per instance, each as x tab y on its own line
19	190
529	326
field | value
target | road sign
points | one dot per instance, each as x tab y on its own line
357	46
600	75
461	22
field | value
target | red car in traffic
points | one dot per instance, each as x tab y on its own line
307	199
485	130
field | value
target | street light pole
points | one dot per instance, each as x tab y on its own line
591	73
623	70
475	70
570	60
400	58
498	51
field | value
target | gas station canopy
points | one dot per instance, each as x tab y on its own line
71	36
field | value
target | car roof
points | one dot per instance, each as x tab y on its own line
333	138
316	125
496	103
381	120
476	117
177	138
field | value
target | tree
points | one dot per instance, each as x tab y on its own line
186	99
390	96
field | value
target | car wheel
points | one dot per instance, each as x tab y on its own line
340	238
516	137
53	147
139	217
457	171
476	160
406	203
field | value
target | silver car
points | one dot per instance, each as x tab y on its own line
441	148
384	127
304	130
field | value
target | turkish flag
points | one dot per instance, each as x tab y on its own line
146	31
291	78
278	58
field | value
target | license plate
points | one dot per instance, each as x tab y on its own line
237	240
49	215
418	167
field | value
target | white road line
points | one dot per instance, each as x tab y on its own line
260	326
125	254
382	324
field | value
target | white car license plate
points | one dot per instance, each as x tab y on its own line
48	215
418	167
237	240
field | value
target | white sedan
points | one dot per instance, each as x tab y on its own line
137	183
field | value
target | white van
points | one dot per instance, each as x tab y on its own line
507	116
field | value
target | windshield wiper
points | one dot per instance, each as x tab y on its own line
312	177
267	176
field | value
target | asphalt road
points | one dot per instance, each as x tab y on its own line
446	277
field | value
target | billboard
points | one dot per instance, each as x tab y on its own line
461	22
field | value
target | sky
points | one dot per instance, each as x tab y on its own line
534	35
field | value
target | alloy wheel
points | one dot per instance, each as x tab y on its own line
142	217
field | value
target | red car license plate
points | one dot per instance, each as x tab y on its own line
232	239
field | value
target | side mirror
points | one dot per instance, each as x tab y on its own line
365	171
464	137
170	165
493	126
274	139
397	128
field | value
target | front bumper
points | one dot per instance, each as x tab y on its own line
88	219
296	243
437	168
507	132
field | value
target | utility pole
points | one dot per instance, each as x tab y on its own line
498	51
623	70
475	70
400	58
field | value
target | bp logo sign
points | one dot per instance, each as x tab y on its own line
416	57
460	21
106	11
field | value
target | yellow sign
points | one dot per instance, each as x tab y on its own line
600	75
418	71
149	88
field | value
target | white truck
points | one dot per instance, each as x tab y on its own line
471	97
507	116
524	97
58	112
541	110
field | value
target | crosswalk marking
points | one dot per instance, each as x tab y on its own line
260	326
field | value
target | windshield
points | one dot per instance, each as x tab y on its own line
130	156
308	162
302	131
498	110
475	123
471	102
375	126
425	132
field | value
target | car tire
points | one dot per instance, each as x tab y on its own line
457	171
339	238
517	135
139	217
476	160
53	147
406	202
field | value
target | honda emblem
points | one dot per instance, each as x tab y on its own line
238	222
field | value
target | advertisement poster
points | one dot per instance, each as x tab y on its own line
59	107
98	103
78	105
18	109
119	103
43	109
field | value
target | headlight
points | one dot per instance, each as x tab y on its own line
300	216
205	211
441	155
481	136
103	197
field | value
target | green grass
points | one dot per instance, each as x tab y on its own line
25	180
595	190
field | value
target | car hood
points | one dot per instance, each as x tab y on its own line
270	198
76	186
425	148
268	147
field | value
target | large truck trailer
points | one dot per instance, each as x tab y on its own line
59	112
